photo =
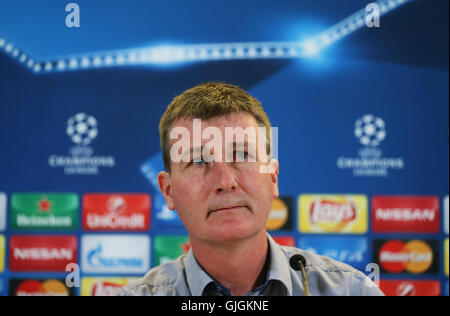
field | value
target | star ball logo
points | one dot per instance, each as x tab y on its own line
370	132
82	129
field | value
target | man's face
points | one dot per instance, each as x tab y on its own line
221	200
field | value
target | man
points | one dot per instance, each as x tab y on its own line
222	189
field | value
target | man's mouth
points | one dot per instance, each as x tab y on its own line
227	209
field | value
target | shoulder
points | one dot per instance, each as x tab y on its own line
330	277
167	279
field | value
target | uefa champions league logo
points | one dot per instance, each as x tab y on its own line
370	132
82	128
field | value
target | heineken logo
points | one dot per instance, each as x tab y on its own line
44	211
44	205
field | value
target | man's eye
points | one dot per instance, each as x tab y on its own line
241	155
198	162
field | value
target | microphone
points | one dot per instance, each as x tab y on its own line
298	263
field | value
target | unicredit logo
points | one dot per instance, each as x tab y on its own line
325	211
405	214
410	287
128	212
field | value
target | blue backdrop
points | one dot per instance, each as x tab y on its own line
397	72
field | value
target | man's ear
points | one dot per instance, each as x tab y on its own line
165	185
275	167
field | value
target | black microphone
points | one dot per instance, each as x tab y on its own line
298	263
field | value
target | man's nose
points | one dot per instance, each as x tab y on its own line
225	179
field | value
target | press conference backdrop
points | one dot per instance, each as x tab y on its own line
362	117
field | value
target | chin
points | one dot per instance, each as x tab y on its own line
231	233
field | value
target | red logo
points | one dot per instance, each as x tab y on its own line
285	241
110	212
403	214
44	205
42	254
42	288
410	288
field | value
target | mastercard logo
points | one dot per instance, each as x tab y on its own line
278	215
446	257
414	257
45	288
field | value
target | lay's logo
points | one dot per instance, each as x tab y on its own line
333	213
103	286
2	253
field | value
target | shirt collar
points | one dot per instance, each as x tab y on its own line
198	279
279	265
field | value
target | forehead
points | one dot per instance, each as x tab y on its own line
230	120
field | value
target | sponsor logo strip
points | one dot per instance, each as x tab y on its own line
288	241
280	217
446	217
351	250
116	212
103	286
2	211
333	214
410	288
405	214
446	257
412	256
2	253
127	254
44	211
39	287
42	253
167	248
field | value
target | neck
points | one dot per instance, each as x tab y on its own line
237	265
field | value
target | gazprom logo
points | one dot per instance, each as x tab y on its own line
115	254
98	261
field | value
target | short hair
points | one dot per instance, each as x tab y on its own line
205	101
